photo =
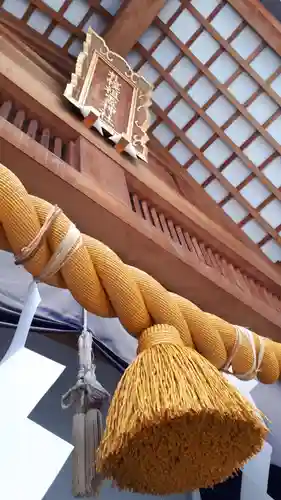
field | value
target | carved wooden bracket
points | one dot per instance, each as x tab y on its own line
111	96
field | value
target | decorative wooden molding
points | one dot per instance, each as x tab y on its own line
111	96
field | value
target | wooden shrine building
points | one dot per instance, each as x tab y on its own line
156	126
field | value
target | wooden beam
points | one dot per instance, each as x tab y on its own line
130	23
257	16
136	240
21	34
193	192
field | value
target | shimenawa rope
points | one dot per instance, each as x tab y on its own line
174	424
104	285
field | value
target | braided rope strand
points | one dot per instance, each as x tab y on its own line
105	286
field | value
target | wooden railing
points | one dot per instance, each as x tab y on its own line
65	150
203	253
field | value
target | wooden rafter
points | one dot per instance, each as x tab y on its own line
43	47
199	154
241	110
204	69
224	182
219	132
257	16
190	190
130	23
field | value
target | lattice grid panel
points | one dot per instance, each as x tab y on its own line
64	22
217	109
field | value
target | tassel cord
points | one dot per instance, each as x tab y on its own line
87	392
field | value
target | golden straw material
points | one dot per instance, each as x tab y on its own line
104	285
175	424
28	252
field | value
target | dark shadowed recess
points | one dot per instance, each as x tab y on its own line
274	6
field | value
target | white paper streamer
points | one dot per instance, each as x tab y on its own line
32	301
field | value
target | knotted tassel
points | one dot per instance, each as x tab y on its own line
175	424
88	395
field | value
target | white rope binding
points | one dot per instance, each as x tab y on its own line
242	332
68	246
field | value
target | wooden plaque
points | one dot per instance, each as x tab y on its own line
111	96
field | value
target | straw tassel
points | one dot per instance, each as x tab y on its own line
175	424
78	456
88	395
93	435
87	430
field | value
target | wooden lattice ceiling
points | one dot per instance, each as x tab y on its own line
64	22
216	103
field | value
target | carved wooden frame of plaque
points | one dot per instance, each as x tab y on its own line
77	91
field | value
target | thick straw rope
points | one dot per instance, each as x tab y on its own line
105	286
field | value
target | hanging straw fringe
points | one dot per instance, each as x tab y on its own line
174	423
88	396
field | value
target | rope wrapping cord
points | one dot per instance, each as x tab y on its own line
105	286
27	252
257	358
87	392
71	242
